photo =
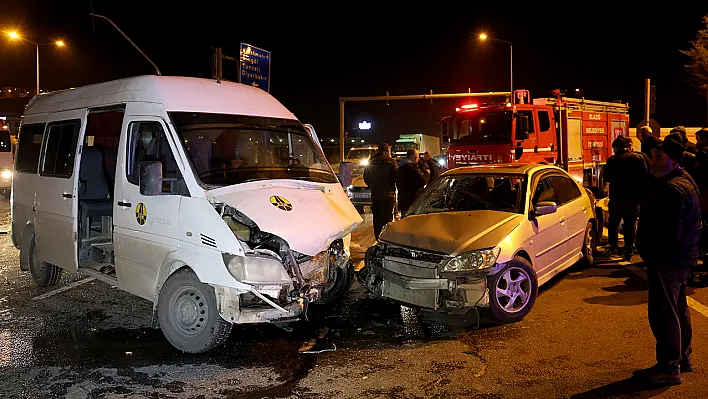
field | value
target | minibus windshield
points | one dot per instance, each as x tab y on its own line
231	149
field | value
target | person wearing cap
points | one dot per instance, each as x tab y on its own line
648	140
667	240
681	131
627	174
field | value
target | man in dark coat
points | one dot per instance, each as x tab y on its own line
667	240
681	132
626	173
432	165
648	140
411	177
380	177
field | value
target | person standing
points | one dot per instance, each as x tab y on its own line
411	177
627	175
667	240
380	177
432	165
647	139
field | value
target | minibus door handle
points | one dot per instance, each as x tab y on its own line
125	204
67	195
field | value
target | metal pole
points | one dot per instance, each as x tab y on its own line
647	99
128	39
511	72
341	130
38	69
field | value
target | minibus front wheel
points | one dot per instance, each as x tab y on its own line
189	319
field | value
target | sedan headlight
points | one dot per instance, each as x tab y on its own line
6	174
473	260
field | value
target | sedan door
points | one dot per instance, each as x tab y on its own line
549	230
573	205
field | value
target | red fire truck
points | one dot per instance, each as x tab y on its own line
575	134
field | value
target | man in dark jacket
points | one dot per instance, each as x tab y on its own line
432	165
667	240
648	140
410	180
626	173
380	176
681	131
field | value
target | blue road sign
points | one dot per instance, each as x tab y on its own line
255	67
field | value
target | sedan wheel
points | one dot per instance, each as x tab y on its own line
513	291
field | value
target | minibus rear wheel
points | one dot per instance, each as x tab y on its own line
44	274
186	309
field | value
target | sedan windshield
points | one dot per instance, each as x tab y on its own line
471	192
232	149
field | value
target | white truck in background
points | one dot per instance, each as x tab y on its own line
419	141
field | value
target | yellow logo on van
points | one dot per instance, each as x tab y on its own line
141	213
281	203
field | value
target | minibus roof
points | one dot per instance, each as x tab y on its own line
175	93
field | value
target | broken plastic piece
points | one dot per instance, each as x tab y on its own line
332	349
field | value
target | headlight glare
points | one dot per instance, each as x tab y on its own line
473	260
364	162
6	174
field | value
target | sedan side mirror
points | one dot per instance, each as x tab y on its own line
545	208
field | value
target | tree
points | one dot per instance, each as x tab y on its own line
698	54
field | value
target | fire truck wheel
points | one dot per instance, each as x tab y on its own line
186	309
589	245
512	291
44	274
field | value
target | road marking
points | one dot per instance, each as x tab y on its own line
692	303
64	288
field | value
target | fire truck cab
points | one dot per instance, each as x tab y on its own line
573	133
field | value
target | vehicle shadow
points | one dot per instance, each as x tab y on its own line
627	388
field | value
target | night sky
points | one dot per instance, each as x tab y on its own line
352	49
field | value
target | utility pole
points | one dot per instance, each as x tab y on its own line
647	100
218	63
217	70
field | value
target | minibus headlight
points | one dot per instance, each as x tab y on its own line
256	269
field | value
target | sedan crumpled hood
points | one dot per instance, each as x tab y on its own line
452	232
308	216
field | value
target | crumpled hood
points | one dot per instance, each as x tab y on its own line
452	232
309	216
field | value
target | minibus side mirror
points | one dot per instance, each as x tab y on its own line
151	178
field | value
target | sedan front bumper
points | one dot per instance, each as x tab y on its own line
418	283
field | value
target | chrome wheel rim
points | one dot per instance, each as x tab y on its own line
513	290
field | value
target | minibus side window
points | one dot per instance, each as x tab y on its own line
29	147
147	142
60	149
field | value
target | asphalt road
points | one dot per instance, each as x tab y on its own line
586	334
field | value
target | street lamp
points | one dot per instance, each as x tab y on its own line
484	37
16	36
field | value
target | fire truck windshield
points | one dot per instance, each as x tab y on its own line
479	128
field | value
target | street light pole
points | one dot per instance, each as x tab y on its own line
16	36
511	71
37	69
483	37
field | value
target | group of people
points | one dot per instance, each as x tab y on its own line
394	182
661	186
